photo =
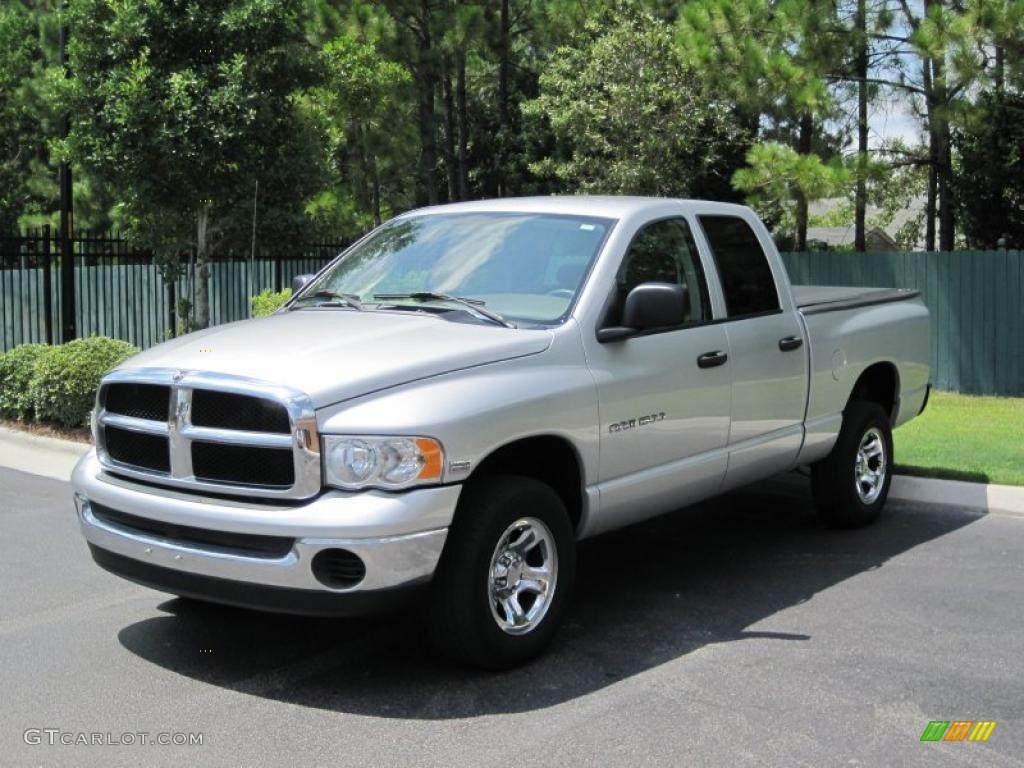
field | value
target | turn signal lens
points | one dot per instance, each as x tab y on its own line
433	464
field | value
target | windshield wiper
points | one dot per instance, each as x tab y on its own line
350	299
475	306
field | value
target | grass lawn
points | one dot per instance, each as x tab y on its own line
964	437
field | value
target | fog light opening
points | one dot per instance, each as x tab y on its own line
338	568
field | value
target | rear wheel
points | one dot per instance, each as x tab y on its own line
850	486
506	573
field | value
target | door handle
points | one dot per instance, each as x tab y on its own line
790	342
711	359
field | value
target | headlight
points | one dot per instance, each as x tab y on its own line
354	463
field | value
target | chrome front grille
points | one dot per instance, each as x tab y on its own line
208	432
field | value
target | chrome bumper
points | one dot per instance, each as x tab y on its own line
399	536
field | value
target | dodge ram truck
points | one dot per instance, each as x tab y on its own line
451	404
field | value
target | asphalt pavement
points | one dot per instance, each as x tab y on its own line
738	632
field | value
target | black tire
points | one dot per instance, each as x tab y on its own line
834	478
460	619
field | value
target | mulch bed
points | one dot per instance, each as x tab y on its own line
78	434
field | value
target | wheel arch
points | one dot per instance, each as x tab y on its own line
551	459
879	383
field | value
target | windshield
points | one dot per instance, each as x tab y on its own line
526	267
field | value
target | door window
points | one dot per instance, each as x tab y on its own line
743	268
665	252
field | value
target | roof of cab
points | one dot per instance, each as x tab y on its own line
608	206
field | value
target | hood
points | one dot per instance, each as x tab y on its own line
337	354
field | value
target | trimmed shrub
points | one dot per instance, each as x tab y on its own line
17	367
267	302
63	388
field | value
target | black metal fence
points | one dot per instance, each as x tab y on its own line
120	290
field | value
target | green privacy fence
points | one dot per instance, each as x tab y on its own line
120	292
976	301
976	298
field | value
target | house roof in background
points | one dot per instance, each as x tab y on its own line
843	235
877	238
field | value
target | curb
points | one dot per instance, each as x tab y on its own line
998	499
943	496
38	454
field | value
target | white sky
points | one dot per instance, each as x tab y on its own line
893	120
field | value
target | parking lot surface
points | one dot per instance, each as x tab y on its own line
738	632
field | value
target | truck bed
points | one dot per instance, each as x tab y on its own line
813	299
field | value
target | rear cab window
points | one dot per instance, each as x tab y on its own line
743	269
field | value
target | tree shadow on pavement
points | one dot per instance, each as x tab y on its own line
645	595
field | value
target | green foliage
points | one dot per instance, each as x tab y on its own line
17	367
360	108
990	187
188	107
769	56
20	123
267	302
65	379
630	116
776	173
349	111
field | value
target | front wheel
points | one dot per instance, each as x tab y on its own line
851	484
506	573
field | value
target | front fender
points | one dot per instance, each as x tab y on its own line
475	411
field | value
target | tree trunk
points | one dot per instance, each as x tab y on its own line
428	141
930	200
373	175
861	202
929	207
428	133
943	155
377	219
450	166
999	73
947	218
202	308
503	111
359	162
460	99
804	148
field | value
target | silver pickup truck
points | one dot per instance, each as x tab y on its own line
451	404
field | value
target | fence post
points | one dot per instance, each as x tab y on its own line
277	275
172	310
47	284
67	259
67	276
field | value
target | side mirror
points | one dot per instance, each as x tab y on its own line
299	282
649	306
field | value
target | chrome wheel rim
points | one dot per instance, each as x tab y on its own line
523	574
871	466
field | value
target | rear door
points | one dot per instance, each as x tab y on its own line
767	351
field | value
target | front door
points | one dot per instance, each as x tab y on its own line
664	418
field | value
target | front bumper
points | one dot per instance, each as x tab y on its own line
397	536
